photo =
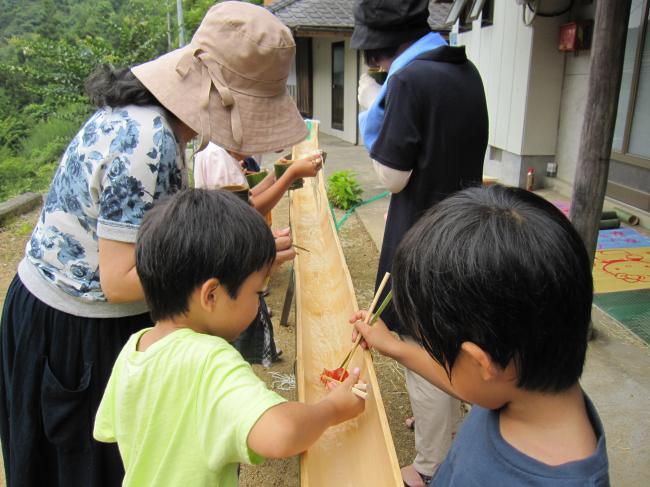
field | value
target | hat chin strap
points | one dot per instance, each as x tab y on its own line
209	78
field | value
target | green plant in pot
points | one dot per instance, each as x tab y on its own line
343	190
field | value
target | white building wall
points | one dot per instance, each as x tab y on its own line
501	53
522	73
574	97
573	104
545	81
322	66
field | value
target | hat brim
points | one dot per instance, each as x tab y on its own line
365	38
268	123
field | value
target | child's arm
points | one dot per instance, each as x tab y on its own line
290	428
266	200
411	356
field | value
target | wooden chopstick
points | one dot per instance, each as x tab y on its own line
375	317
359	389
380	289
359	393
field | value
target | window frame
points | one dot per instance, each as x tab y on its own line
334	46
623	155
466	9
477	9
456	11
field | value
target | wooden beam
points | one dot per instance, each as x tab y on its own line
590	182
322	32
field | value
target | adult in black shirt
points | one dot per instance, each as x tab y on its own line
430	143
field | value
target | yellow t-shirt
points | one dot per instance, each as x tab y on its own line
181	411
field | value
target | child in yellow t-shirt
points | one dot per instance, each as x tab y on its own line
181	403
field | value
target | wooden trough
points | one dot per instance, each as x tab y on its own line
359	452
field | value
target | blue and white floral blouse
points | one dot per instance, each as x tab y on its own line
120	162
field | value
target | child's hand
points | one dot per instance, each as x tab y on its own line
307	167
377	336
283	246
347	405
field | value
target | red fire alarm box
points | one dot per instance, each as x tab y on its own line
575	36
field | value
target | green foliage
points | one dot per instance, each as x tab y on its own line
31	169
343	191
47	49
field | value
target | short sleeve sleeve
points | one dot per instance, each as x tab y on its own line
230	400
142	154
104	428
397	145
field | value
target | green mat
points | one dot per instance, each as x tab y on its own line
630	308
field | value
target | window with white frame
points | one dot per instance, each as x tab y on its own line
632	133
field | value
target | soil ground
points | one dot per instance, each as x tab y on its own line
361	256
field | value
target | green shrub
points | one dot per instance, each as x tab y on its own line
19	174
12	130
56	130
343	191
31	169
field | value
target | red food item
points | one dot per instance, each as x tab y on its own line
339	374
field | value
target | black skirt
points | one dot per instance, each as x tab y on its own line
53	370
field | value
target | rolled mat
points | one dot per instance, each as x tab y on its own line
628	218
609	224
608	215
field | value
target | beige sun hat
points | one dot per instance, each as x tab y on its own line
229	83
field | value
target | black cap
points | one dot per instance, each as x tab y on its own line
388	23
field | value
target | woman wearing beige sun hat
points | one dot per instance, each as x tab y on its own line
77	298
229	84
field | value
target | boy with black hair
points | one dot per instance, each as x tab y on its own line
496	286
181	403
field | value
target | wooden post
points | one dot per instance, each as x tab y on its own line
590	182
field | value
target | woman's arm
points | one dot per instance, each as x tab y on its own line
117	275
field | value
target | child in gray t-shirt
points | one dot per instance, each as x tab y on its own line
496	286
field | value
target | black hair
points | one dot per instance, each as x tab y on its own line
502	268
107	86
194	236
373	56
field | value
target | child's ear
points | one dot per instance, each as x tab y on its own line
482	360
209	293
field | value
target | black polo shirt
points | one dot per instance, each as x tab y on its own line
436	125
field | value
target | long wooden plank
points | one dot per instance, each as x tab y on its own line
359	452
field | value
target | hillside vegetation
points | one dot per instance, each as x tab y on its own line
47	49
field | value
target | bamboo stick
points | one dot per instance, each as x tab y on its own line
375	317
358	393
375	298
301	248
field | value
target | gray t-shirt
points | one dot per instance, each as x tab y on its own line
481	457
